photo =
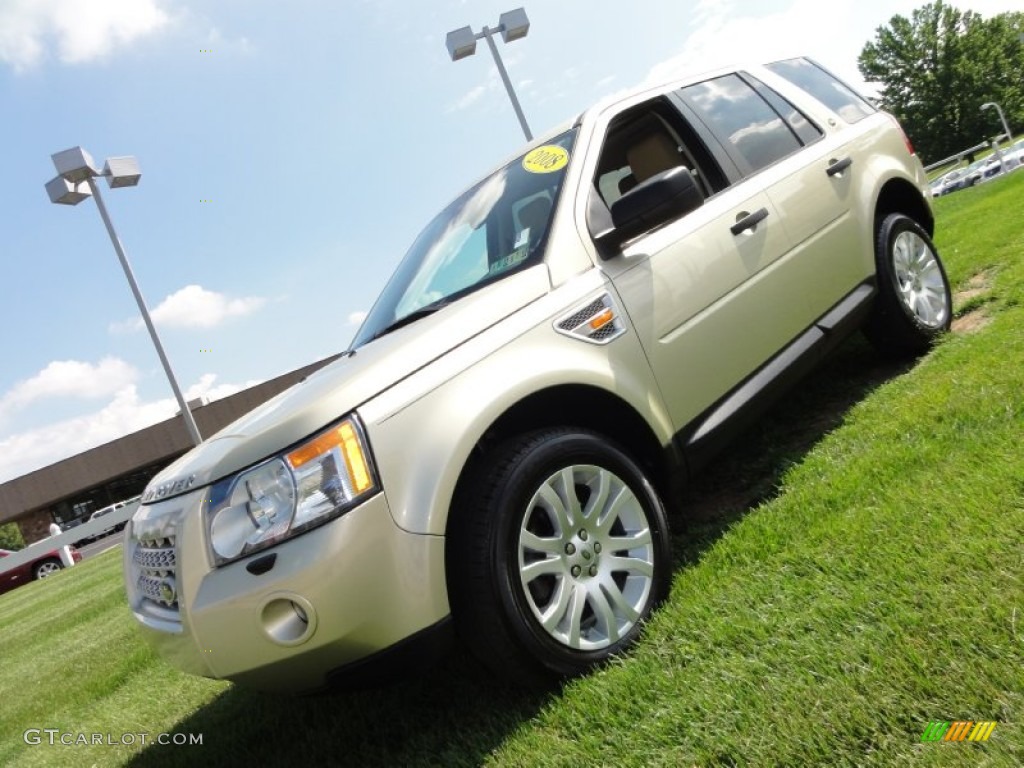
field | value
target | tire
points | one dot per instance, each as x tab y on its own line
47	568
914	304
541	590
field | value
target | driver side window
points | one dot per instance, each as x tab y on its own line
646	141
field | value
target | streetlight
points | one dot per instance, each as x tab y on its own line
513	25
75	168
1006	128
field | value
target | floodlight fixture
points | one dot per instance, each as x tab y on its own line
122	171
76	181
64	192
461	43
513	25
75	165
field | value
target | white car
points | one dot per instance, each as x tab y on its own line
115	515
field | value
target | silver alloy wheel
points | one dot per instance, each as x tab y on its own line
586	557
47	569
919	279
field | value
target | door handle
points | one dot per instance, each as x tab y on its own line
835	167
749	221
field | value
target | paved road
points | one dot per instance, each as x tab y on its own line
94	548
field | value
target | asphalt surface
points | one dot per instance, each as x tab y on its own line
96	547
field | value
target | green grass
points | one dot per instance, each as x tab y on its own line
853	571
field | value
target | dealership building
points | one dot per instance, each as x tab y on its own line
73	488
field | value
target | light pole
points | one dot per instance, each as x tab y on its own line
1006	128
513	25
75	168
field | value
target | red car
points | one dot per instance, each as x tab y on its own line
45	565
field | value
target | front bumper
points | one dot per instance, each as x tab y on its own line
284	618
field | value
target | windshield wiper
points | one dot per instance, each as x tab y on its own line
412	317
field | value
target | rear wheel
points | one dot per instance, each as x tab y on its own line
914	304
47	568
558	554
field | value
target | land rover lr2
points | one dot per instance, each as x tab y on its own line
566	341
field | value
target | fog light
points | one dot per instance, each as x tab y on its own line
288	619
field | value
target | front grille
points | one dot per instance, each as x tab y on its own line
155	570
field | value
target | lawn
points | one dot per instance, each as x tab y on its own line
850	571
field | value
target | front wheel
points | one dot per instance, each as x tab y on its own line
558	555
47	568
914	303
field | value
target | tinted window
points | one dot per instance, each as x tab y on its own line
826	88
743	120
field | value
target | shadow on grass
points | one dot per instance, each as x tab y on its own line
454	715
750	471
457	714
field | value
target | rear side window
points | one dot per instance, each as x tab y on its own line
825	87
743	120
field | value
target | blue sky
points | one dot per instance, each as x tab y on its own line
290	153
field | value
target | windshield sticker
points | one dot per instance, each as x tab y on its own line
546	159
523	239
509	261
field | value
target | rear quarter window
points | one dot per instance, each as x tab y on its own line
825	87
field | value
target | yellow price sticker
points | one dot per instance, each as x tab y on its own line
546	159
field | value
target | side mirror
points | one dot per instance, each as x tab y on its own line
662	198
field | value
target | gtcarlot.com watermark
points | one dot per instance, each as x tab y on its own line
55	736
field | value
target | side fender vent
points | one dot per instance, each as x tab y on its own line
598	322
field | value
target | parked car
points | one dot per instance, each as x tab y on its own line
47	564
108	511
1010	160
947	183
562	346
970	176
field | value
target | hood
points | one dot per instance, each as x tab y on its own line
342	386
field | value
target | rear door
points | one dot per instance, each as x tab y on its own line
805	172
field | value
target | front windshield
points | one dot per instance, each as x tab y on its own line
495	228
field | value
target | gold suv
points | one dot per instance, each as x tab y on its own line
561	346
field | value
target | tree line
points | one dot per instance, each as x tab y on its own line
939	66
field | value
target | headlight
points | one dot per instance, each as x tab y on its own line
299	489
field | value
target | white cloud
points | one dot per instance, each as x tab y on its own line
39	447
79	30
356	318
125	413
468	99
70	378
722	35
205	388
194	307
217	42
